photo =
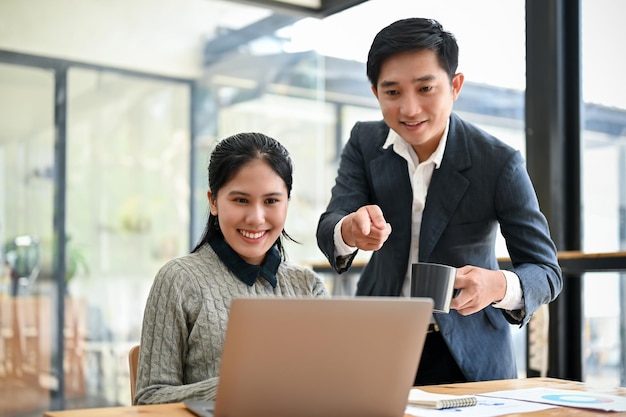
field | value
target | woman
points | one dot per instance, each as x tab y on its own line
240	254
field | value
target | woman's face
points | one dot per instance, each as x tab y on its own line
251	209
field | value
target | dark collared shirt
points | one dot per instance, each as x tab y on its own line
243	270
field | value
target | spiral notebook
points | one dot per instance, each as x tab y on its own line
430	400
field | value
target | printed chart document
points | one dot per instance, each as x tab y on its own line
427	399
564	398
485	407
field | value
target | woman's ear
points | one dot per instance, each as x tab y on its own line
212	203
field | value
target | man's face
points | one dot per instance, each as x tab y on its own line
416	98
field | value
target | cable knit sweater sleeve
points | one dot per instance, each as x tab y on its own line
185	320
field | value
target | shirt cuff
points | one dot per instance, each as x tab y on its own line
341	249
513	297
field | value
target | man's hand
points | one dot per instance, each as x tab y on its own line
366	228
479	288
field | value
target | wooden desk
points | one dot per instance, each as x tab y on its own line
570	261
178	409
575	262
159	410
341	284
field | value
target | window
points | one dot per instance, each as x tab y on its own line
603	188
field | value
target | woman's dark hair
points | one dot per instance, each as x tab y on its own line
413	34
229	156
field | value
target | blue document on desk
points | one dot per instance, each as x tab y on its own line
564	398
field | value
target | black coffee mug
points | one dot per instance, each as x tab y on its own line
434	281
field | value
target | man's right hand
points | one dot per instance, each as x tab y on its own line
366	228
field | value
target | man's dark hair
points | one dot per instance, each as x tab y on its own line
413	34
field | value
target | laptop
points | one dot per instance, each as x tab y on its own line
286	357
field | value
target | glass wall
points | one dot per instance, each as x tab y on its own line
127	199
26	210
604	187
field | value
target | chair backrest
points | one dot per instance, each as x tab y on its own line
133	361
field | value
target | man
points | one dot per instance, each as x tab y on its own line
425	185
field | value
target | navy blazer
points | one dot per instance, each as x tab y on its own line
482	183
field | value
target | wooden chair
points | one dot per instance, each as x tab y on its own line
133	361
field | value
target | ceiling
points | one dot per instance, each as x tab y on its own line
317	8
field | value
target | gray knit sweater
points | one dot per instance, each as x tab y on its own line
185	320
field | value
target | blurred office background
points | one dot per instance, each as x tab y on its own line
109	111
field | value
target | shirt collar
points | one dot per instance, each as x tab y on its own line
244	271
401	146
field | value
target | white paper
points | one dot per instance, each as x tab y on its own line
486	407
564	398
